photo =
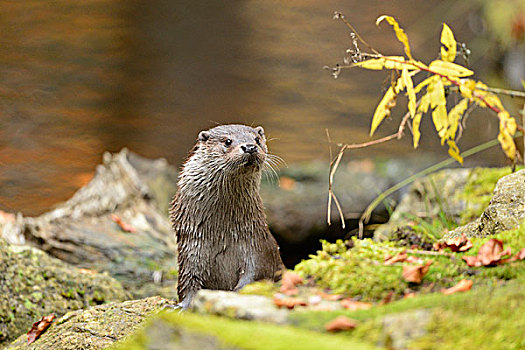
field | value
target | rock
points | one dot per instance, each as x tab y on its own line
90	229
457	195
401	328
234	305
33	284
505	211
95	328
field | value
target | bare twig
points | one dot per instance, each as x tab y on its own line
512	93
340	16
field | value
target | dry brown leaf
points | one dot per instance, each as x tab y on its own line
287	183
289	303
409	295
472	261
399	257
330	297
490	253
125	227
350	304
39	327
388	298
289	282
457	244
462	286
415	273
341	323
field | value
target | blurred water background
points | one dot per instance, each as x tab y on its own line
78	78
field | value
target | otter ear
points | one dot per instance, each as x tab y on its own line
260	130
204	136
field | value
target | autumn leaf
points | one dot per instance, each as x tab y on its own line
399	257
448	50
383	109
124	226
287	183
289	282
409	85
39	327
350	304
507	129
449	69
330	297
400	33
288	303
415	273
462	286
453	151
341	323
456	244
490	253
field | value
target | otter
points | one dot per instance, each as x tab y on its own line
223	240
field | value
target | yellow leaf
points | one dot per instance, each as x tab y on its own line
383	109
415	128
507	129
437	93
439	118
374	63
424	83
453	118
409	85
388	62
398	62
449	69
493	100
424	103
448	52
467	87
400	33
453	151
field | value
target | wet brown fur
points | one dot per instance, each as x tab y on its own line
223	240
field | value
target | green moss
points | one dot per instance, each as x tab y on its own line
360	271
239	334
265	287
356	271
484	318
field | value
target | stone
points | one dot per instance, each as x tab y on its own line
238	306
33	284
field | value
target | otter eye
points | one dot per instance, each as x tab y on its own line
258	141
228	142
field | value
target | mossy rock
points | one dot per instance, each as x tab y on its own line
97	327
442	201
33	284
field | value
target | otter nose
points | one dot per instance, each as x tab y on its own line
249	148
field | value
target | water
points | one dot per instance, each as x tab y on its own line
79	78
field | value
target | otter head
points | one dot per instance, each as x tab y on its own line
233	148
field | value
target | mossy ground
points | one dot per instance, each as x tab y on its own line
233	334
359	272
